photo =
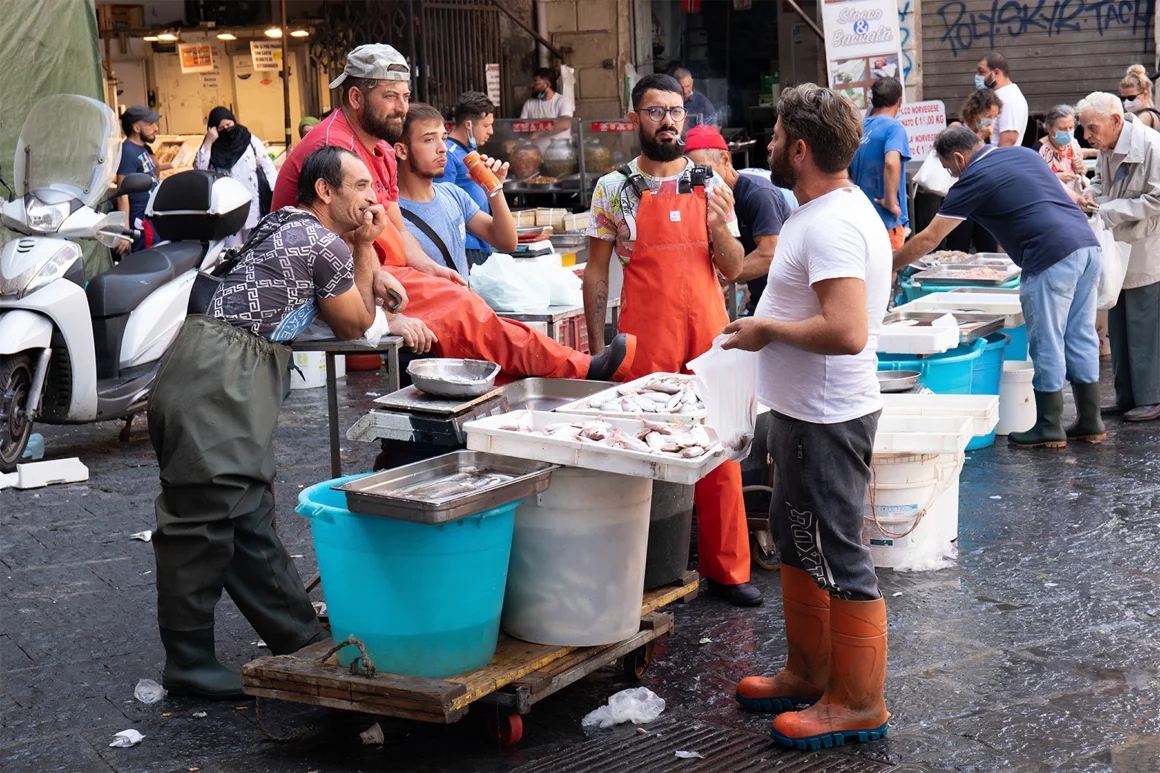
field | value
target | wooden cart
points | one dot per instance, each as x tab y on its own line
520	675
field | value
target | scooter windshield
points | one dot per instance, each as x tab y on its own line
73	146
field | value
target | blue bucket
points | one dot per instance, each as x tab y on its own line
1017	349
985	378
424	599
948	373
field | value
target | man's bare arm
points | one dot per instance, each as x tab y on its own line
596	291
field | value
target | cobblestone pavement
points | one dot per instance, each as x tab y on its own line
1038	651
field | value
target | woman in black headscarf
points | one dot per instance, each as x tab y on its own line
230	149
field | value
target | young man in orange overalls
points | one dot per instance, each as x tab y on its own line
674	230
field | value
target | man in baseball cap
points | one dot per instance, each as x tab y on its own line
760	208
140	126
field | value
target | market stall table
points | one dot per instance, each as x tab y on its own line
554	317
330	346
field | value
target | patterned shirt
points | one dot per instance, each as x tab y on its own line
613	192
274	289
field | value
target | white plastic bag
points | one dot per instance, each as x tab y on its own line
1114	262
729	386
507	286
566	288
933	177
637	705
147	691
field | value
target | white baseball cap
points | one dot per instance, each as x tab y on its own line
376	61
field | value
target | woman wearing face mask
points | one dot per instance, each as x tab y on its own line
230	149
1136	93
1061	151
978	114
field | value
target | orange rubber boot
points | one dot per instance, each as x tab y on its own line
807	633
852	708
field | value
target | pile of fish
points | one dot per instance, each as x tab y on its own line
467	481
677	440
672	394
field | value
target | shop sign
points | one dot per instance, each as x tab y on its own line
612	126
491	76
533	126
267	54
863	44
195	57
923	122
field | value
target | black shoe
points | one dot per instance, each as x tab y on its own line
742	595
617	356
1115	409
192	667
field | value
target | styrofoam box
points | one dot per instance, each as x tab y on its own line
898	339
485	435
983	410
923	434
990	303
608	394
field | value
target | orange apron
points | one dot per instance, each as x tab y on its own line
672	302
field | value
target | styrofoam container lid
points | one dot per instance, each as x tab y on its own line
983	410
991	303
923	434
897	339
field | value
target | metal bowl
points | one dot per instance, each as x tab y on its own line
897	380
453	378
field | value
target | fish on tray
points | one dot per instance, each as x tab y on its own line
661	394
685	442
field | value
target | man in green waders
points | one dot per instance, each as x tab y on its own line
214	408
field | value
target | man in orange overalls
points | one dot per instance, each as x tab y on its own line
674	230
375	95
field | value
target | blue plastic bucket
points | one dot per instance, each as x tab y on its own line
424	599
948	373
985	378
1017	349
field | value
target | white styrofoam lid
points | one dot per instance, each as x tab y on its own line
938	337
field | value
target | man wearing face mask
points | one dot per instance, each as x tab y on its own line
993	72
1015	196
474	116
672	225
547	104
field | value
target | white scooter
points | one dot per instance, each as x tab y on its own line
72	352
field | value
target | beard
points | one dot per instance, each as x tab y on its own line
389	128
661	152
781	172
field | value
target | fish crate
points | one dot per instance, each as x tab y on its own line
573	332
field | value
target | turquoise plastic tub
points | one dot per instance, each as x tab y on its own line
985	377
911	291
1017	349
424	599
948	373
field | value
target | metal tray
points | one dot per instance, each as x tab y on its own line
548	394
444	377
366	496
987	290
951	274
411	398
972	325
897	380
581	407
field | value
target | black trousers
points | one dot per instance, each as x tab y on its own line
1134	335
212	415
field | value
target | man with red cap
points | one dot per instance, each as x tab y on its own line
760	207
376	92
672	225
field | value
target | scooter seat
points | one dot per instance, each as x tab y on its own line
183	256
122	288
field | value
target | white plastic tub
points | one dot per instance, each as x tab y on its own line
912	510
899	339
922	434
983	410
991	303
576	574
313	367
1016	397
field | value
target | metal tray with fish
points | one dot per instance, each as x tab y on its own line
665	397
446	487
960	273
972	325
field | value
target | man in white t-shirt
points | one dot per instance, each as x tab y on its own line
816	330
546	104
1011	124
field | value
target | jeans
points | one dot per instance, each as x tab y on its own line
1059	305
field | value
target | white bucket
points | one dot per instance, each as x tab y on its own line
1016	398
313	367
912	510
576	575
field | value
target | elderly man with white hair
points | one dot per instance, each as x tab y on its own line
1126	196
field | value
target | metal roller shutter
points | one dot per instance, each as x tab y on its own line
1059	50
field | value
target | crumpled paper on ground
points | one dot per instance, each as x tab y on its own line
147	691
126	738
690	755
637	705
144	536
373	735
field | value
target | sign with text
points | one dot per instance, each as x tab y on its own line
613	126
195	57
521	127
267	54
491	77
923	122
863	44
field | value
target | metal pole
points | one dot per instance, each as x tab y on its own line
810	22
416	73
286	74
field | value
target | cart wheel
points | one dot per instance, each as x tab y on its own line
763	551
636	663
508	729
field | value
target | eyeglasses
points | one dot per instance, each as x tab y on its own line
657	113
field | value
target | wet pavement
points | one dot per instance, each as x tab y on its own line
1038	651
